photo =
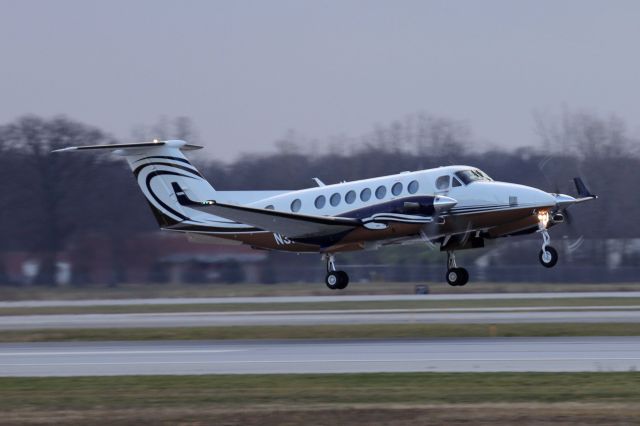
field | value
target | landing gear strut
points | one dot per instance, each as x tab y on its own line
548	255
455	276
335	280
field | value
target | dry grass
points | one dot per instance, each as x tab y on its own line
355	399
357	415
419	304
310	332
128	291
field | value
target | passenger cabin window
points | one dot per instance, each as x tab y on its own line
320	201
335	199
365	194
456	182
413	187
396	189
472	175
442	183
350	197
296	205
381	191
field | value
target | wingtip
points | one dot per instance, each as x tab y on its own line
68	148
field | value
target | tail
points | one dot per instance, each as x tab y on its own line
159	167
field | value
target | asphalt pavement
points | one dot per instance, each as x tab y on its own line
336	317
270	357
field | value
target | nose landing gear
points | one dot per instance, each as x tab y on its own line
455	276
335	280
548	256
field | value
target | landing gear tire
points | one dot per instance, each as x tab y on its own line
457	276
548	257
344	280
337	280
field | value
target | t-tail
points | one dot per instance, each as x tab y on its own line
165	177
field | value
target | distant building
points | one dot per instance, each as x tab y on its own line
150	257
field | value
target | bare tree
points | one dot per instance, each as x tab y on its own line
46	187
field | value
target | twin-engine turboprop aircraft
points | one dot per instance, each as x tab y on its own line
457	207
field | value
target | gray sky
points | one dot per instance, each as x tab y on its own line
247	71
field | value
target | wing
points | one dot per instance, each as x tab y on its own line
292	225
301	226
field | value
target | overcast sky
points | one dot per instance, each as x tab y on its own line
247	71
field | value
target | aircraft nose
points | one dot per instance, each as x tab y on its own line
538	196
515	195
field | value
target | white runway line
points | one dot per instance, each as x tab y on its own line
121	352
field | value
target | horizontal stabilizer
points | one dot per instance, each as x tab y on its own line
128	146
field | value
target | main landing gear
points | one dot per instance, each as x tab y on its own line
548	256
335	280
455	276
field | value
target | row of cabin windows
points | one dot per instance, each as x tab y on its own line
350	197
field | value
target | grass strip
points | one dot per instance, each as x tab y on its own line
320	306
484	414
357	331
407	399
128	291
385	389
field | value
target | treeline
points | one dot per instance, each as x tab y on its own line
48	199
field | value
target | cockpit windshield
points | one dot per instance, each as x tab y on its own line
473	175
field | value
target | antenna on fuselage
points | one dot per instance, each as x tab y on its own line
318	181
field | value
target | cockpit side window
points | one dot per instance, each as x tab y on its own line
442	183
472	175
456	182
486	176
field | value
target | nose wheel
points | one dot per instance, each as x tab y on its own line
335	280
455	276
548	256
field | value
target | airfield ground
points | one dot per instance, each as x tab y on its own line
132	291
358	399
323	332
354	399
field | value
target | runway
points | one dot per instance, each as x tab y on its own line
610	314
270	357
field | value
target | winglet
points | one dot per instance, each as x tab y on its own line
69	148
184	200
583	191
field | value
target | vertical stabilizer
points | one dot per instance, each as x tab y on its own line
159	167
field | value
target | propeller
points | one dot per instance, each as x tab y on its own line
441	205
573	235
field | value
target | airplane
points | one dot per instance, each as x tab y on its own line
456	207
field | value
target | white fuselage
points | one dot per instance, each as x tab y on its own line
479	194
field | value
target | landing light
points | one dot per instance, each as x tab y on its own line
543	218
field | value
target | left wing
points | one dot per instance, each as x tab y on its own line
292	225
300	226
